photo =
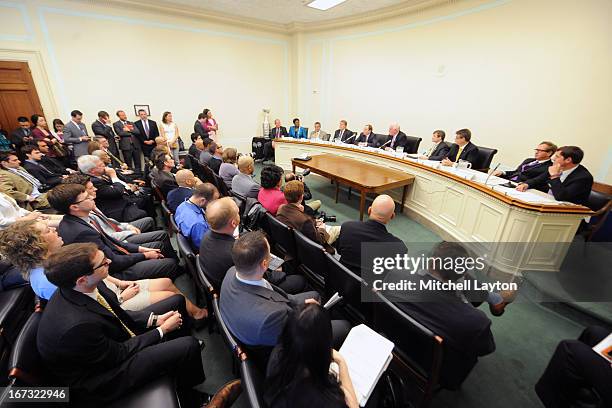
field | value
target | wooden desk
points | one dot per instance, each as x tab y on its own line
365	177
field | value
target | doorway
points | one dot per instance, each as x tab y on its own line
18	96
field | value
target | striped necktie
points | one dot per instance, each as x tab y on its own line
105	304
30	179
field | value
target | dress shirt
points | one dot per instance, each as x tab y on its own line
432	148
10	211
191	220
260	282
40	284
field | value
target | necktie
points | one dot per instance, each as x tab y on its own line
98	228
341	133
393	141
107	220
105	304
44	168
146	127
29	178
523	168
459	154
277	132
430	151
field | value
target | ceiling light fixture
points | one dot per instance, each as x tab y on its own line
324	4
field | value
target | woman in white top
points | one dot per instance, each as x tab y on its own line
10	213
170	131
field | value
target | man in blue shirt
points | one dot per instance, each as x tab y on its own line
190	216
186	181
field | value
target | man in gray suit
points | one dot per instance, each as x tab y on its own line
243	182
75	134
317	133
129	144
256	311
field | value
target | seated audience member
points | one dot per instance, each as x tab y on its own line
533	171
186	182
216	150
103	127
129	261
115	161
367	138
568	180
161	148
22	135
53	164
574	367
270	195
342	134
292	215
463	149
255	311
16	182
317	133
10	213
396	138
296	131
276	132
165	178
191	215
99	350
216	247
465	329
243	182
228	168
10	277
206	155
312	206
114	197
298	374
34	166
439	149
354	233
198	126
193	149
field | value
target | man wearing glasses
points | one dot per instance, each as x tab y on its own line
533	171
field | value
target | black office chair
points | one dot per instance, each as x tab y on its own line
601	203
417	354
485	157
201	170
16	305
227	335
282	237
348	285
206	286
157	193
189	258
168	219
413	144
311	259
252	382
221	186
173	225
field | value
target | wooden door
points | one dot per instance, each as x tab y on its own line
18	96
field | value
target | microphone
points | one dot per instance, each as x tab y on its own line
386	143
491	173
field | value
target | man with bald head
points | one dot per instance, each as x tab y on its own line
243	182
186	182
223	218
354	233
396	138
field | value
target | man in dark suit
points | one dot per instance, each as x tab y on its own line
129	261
103	127
75	134
22	135
216	247
354	233
130	143
395	139
367	138
198	126
147	132
196	145
568	180
165	178
34	166
101	351
255	311
439	149
573	367
463	149
276	132
51	163
533	171
186	182
342	134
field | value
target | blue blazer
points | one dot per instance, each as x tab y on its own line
302	133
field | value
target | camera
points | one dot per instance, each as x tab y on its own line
251	154
300	177
326	218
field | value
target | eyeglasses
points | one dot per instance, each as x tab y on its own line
105	262
85	199
542	150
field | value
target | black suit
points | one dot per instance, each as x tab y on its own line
469	153
576	187
87	348
343	135
130	266
440	152
43	174
129	144
400	141
101	129
143	136
16	138
280	132
112	199
215	164
166	182
534	175
199	129
353	233
372	139
54	165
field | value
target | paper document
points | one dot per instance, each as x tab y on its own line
367	356
604	348
275	262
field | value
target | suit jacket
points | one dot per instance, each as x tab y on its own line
215	164
323	135
84	345
254	314
20	189
129	139
440	152
177	196
216	259
534	176
101	129
469	153
142	135
73	134
75	230
290	215
281	133
400	141
245	185
165	181
17	135
353	233
300	134
199	129
371	139
346	135
43	174
110	197
576	188
53	164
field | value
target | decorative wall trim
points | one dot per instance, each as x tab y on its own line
27	23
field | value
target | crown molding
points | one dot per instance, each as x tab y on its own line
157	6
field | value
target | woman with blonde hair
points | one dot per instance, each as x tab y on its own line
170	131
229	168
